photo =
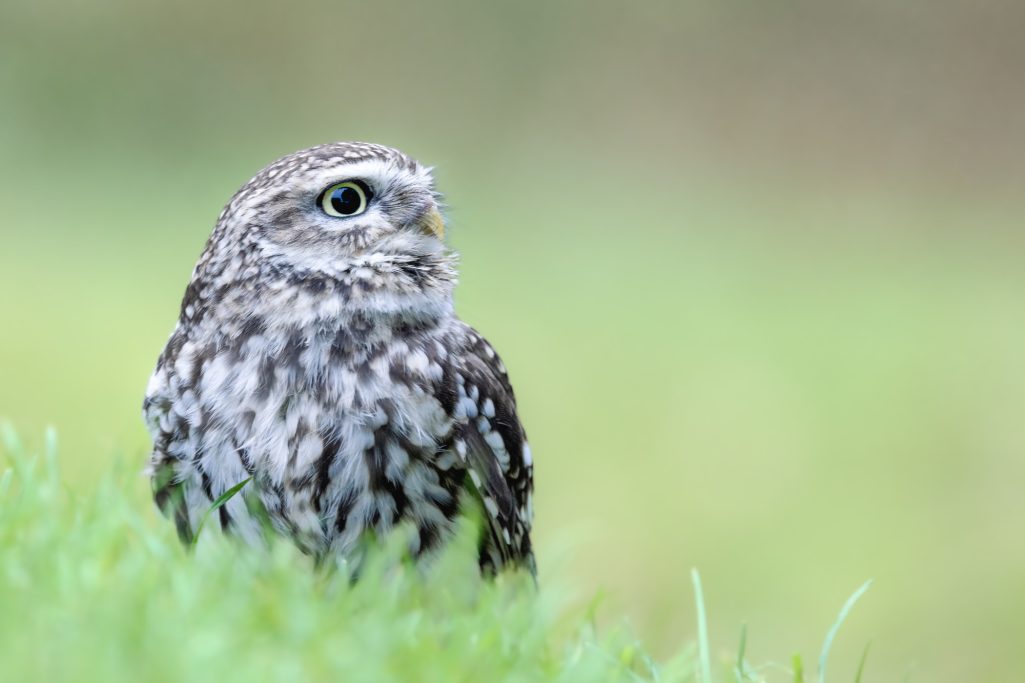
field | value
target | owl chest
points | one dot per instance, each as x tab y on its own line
338	441
286	400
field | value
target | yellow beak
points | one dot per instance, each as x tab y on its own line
433	224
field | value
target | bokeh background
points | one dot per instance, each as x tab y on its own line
756	269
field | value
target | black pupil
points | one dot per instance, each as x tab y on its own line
345	200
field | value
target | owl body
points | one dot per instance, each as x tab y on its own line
319	357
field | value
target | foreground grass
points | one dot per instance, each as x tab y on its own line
93	589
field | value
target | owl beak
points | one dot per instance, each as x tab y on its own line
433	224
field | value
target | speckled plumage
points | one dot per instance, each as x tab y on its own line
321	356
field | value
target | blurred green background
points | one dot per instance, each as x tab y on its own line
756	269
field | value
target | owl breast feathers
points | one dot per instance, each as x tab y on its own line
317	355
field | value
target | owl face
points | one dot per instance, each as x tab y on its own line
321	208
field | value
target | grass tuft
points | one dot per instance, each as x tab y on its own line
96	587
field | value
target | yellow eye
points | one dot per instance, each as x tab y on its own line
345	199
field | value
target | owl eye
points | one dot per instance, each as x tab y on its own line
345	199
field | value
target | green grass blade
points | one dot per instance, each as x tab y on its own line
844	611
221	500
52	471
861	664
5	481
798	669
739	671
50	449
12	444
703	649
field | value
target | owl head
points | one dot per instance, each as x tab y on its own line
324	208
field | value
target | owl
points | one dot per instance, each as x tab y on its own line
317	357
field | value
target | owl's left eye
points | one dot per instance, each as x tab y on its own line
345	199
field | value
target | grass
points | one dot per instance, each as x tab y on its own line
95	587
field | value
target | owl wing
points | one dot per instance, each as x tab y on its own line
490	440
167	429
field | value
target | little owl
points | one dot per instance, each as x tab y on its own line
317	355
